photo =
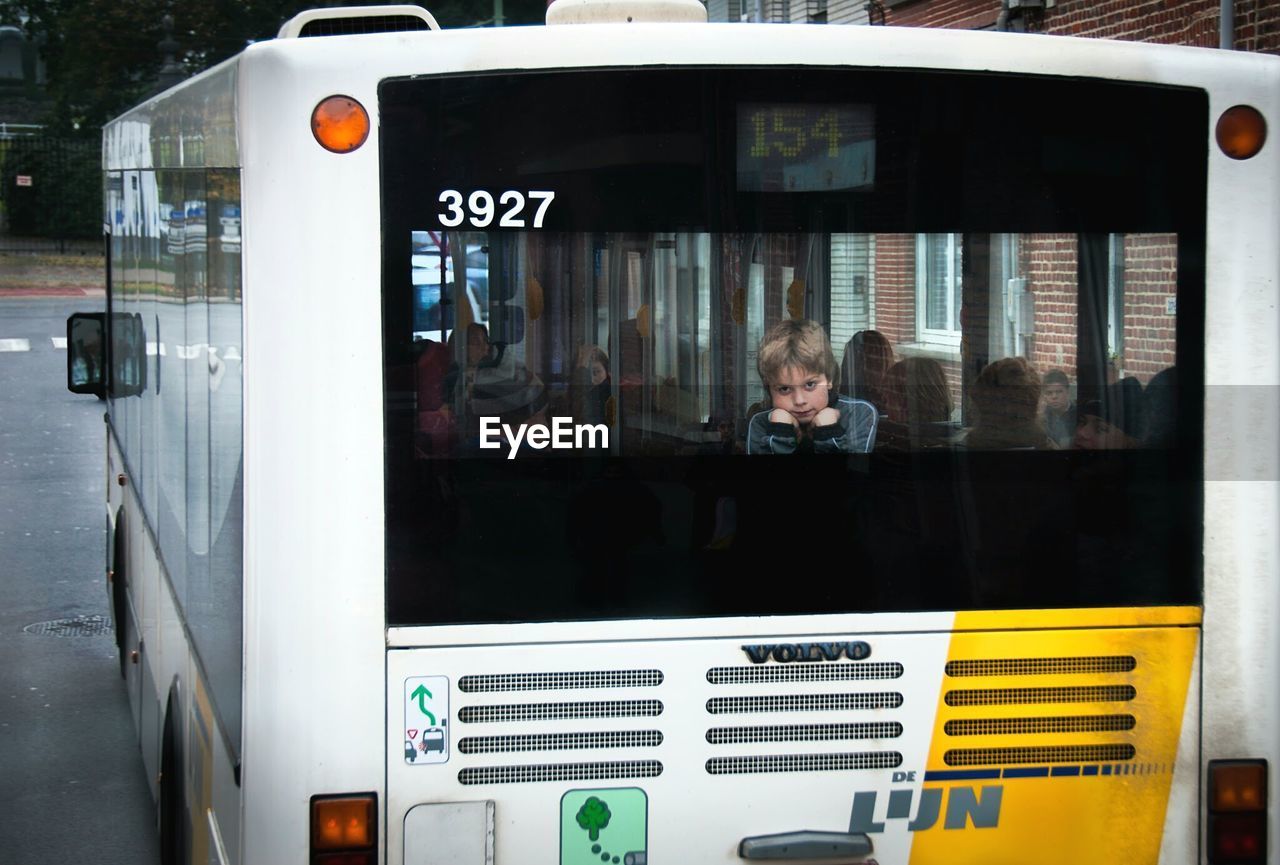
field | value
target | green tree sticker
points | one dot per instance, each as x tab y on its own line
592	820
593	816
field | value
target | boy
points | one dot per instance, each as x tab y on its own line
1059	410
805	410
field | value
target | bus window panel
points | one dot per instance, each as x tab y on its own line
122	278
195	599
1006	296
217	625
756	322
146	272
959	529
851	288
167	299
196	366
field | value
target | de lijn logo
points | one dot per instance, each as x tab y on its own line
964	804
786	653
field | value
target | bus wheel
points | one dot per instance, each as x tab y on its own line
173	805
119	597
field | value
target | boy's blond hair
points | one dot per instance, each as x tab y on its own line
800	344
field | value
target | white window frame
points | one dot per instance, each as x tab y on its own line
936	336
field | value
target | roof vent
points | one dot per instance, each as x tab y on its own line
352	20
626	12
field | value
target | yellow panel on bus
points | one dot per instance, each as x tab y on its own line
1052	743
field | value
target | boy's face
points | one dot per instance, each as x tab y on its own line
1055	397
801	393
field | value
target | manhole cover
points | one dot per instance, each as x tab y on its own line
79	626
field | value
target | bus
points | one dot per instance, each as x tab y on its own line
440	528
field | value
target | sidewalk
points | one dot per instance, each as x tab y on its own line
51	275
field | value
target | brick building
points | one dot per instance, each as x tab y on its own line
1256	24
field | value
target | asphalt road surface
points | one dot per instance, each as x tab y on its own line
71	776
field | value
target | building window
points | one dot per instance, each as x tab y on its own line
938	289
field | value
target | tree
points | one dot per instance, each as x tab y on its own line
593	816
103	56
65	200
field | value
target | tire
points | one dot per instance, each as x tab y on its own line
120	595
173	805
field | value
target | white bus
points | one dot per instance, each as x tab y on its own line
403	578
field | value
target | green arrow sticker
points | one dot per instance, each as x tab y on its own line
426	720
421	694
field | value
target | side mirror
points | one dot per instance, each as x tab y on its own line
92	368
87	354
128	355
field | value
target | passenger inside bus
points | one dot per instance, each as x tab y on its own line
918	408
1006	397
868	356
593	387
690	348
1114	422
1059	413
659	337
460	378
799	373
1161	407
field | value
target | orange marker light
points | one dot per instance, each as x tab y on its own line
1237	786
1241	132
1237	812
340	124
342	823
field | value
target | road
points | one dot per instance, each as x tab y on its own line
71	777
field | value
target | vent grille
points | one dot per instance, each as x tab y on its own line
1021	696
1042	666
362	24
807	673
560	741
803	703
560	711
802	763
803	733
1020	726
560	681
1053	754
560	772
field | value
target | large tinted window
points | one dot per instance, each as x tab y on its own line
996	283
175	237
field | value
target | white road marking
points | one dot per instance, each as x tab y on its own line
15	345
59	341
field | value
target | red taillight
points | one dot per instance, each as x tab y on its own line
1237	812
344	829
346	859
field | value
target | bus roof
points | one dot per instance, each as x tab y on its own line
200	117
